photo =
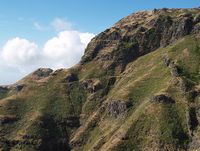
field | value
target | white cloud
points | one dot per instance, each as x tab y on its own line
60	24
19	51
19	56
67	47
63	50
86	37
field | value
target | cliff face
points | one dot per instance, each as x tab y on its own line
136	88
139	34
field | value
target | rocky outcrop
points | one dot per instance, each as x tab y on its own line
70	77
166	60
87	107
72	121
42	72
184	85
118	108
91	85
174	69
162	98
3	89
139	34
111	81
197	18
19	87
4	119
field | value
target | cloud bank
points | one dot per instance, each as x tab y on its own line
19	51
63	50
66	48
19	56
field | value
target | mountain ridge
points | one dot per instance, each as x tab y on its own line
135	88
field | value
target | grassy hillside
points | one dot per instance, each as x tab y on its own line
151	102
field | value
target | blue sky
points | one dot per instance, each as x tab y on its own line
86	15
36	22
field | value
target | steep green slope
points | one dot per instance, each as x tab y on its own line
137	87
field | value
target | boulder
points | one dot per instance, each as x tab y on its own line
19	87
92	85
87	85
175	72
111	81
197	18
3	89
43	72
97	85
196	29
118	108
184	85
70	77
162	98
56	72
4	119
166	60
72	121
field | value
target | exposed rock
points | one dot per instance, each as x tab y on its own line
174	70
162	98
185	15
137	35
4	119
56	72
87	85
72	121
198	112
111	81
91	85
18	142
19	87
184	85
3	89
193	122
196	29
191	95
43	72
195	144
118	108
197	18
97	85
166	60
62	112
70	77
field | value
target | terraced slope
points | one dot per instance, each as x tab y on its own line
137	87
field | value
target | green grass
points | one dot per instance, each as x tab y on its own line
172	132
44	108
137	135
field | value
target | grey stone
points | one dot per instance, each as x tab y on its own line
197	18
166	60
162	98
4	119
118	108
92	85
3	89
19	87
43	72
71	77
